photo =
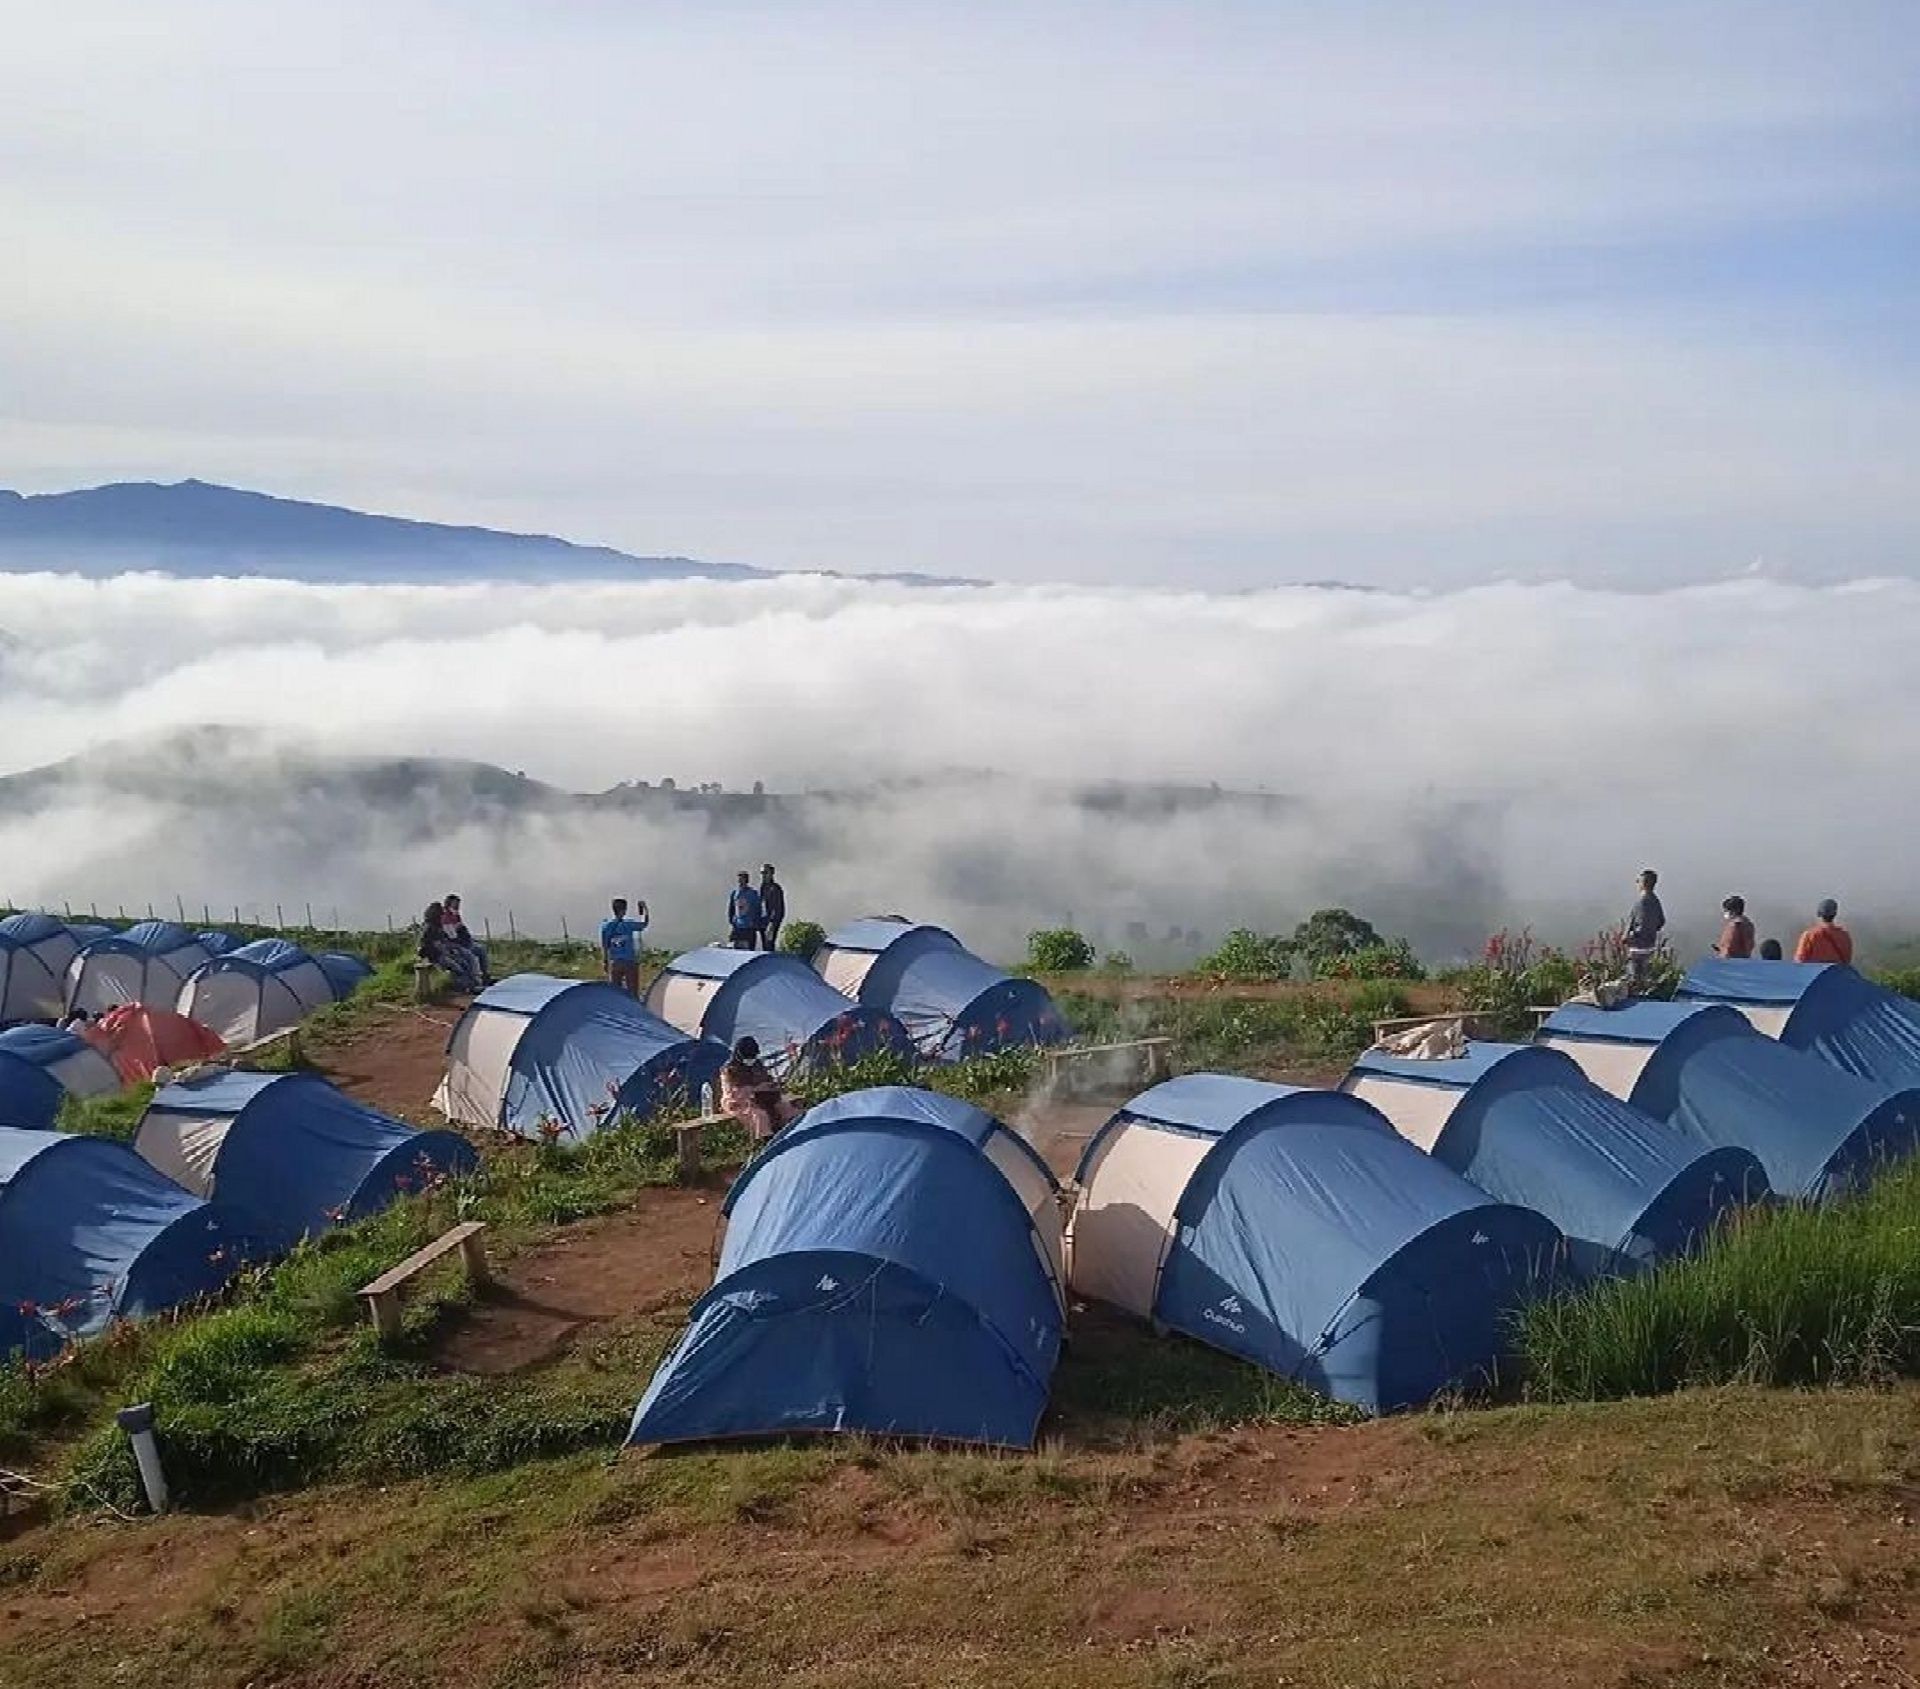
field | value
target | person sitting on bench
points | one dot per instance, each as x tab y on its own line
438	948
752	1095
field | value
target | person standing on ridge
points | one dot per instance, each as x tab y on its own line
773	908
1645	923
1826	940
743	913
1736	935
620	945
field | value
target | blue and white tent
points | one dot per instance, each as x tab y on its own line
954	1004
891	1265
1700	1067
35	951
147	963
217	943
90	1233
1831	1012
800	1022
40	1067
539	1057
345	973
85	932
289	1152
255	991
1298	1230
1527	1126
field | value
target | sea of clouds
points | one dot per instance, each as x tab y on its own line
1500	755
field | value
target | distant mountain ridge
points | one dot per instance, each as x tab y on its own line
198	529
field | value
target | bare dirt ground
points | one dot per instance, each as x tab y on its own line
649	1260
395	1061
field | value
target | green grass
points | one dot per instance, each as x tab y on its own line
116	1116
1786	1296
1319	1027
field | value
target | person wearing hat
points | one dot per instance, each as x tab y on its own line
773	907
1826	940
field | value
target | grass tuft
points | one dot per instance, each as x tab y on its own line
1785	1296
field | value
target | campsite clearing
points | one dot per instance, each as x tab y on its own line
1187	1521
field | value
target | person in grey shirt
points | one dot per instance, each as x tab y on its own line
1645	923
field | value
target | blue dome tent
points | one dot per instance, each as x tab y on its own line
1702	1068
35	951
890	1266
952	1003
40	1067
255	991
89	1233
800	1022
345	973
534	1055
1527	1126
1831	1012
148	963
288	1151
217	943
1297	1230
86	932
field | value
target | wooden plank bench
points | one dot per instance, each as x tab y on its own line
382	1297
689	1138
1156	1058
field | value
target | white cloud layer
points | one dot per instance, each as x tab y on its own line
1508	753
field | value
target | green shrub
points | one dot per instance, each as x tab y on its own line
1392	960
1513	975
1058	950
1904	981
1248	955
802	939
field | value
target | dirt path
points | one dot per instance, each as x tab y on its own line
647	1260
394	1063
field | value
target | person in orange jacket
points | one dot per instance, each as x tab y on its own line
1826	940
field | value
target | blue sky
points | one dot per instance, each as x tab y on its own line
1219	295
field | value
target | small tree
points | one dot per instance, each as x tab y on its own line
1058	950
802	939
1328	933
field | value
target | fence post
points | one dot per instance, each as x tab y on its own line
310	926
565	936
279	920
511	931
486	926
206	913
180	903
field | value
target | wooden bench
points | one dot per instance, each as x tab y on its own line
382	1297
423	981
689	1137
1156	1058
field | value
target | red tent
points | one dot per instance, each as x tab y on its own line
139	1041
